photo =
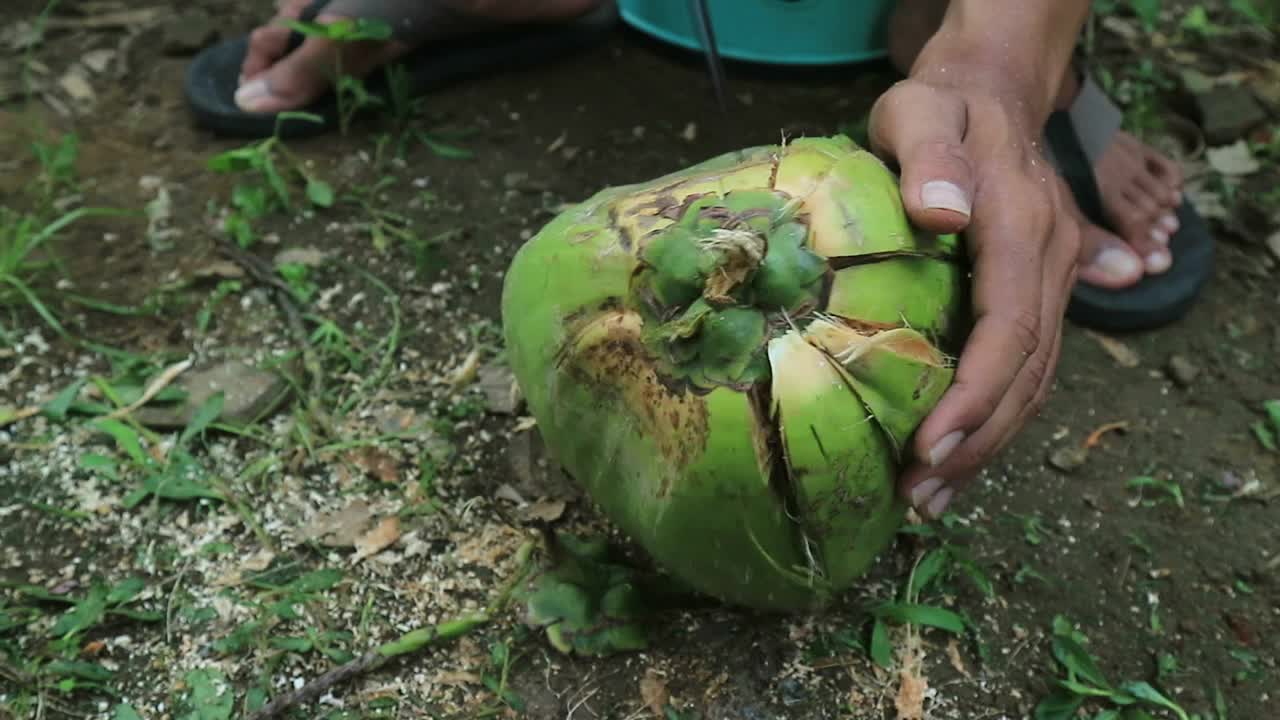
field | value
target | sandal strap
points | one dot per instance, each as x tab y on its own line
1077	137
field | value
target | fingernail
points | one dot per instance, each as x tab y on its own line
940	502
1159	261
249	97
1170	223
941	450
1159	236
943	195
925	490
1118	262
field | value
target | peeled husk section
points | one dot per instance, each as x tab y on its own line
735	388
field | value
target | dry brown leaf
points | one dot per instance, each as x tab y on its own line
653	691
957	662
219	269
377	464
1124	355
341	528
544	510
457	678
381	537
912	684
466	372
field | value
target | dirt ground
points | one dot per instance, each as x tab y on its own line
1175	580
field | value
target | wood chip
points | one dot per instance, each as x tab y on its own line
382	536
1125	356
654	693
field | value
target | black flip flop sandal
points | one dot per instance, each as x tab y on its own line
213	76
1076	138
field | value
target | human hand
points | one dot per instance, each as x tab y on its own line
970	161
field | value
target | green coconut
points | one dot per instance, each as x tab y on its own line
731	360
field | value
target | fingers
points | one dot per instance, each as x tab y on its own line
1025	250
932	487
923	129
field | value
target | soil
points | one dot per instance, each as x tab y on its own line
1142	575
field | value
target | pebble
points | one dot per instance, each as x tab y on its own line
1068	458
1228	113
1182	371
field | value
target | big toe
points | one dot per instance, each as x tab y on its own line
297	79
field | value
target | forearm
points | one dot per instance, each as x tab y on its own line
1017	50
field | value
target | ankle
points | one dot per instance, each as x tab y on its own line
1068	89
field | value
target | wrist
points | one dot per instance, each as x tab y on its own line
1026	88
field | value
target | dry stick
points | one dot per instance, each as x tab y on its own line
410	642
261	271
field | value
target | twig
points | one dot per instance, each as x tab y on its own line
20	415
261	271
410	642
162	381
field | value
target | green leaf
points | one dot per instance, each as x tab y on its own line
126	439
276	181
100	464
1107	715
203	417
85	614
57	407
929	615
1148	694
292	644
125	711
1061	704
929	567
1077	660
1272	408
444	150
316	581
92	672
211	698
1266	436
881	651
237	160
125	590
320	193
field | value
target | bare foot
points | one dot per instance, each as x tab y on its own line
1141	191
271	81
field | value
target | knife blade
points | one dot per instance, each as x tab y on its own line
706	36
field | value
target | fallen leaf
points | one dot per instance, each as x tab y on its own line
654	693
457	678
465	373
219	270
957	662
308	256
341	528
1234	159
1125	356
381	537
545	510
378	464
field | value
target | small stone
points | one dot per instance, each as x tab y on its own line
1273	244
1181	371
501	394
1228	113
98	60
1068	457
190	32
250	394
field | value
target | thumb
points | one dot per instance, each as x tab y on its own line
922	129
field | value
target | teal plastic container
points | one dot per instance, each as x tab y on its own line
779	32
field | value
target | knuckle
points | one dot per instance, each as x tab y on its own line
1024	326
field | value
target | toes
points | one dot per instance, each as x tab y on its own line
297	79
266	45
1106	260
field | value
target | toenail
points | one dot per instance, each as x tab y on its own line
1159	261
921	493
1118	262
1170	223
249	97
943	195
940	502
1159	236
